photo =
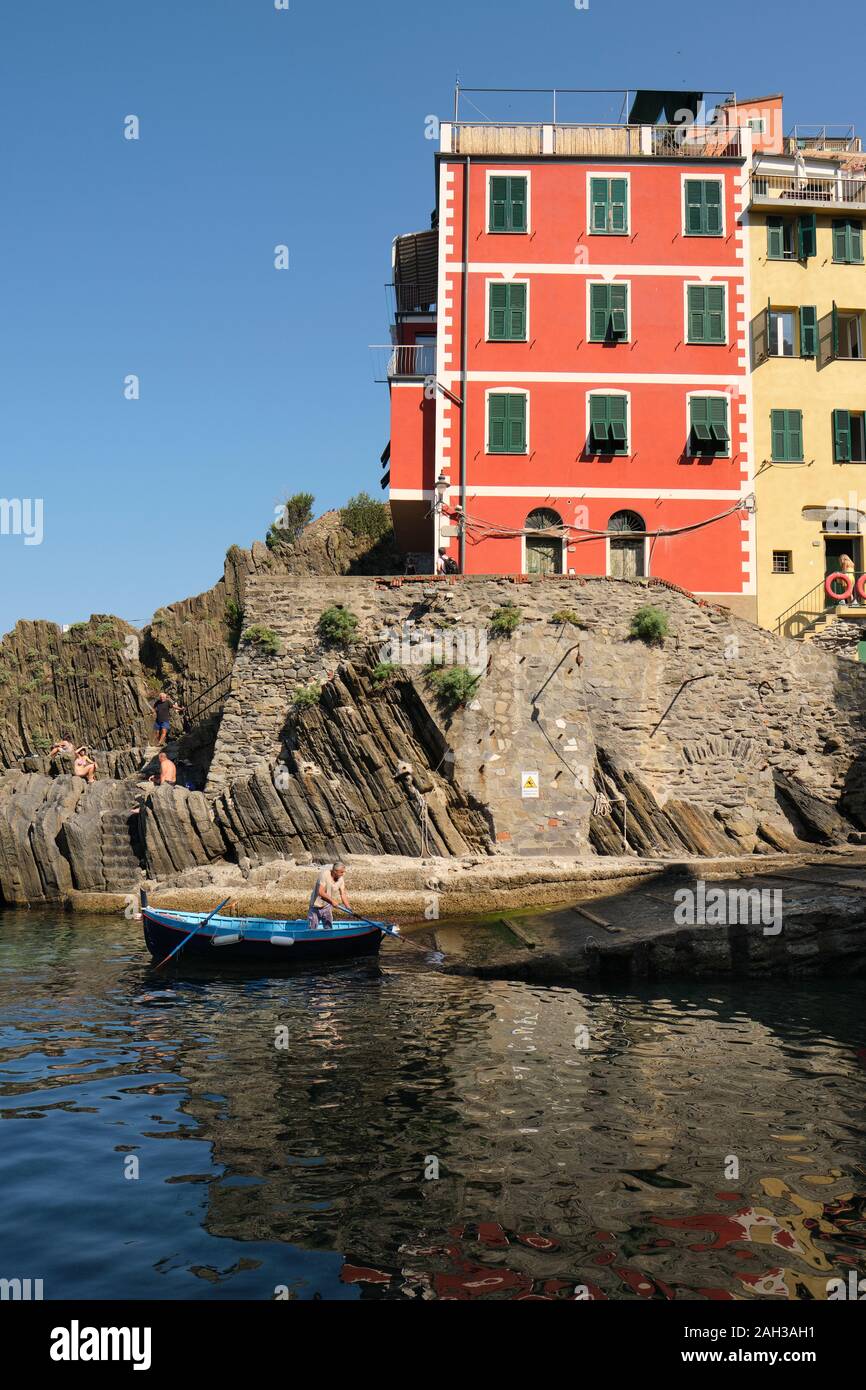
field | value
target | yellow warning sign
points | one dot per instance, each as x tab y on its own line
529	784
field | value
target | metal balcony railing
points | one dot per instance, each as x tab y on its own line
515	139
809	190
834	139
410	299
392	360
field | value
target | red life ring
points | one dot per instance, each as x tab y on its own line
860	586
846	580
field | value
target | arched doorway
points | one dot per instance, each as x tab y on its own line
626	551
544	551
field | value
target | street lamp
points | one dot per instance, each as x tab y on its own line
438	507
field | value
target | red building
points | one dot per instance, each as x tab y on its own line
569	357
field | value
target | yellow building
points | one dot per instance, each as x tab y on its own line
806	210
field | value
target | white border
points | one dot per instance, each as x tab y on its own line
505	280
507	453
600	342
705	285
629	453
563	559
720	395
506	173
700	178
602	174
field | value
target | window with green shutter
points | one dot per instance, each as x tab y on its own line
708	425
808	330
508	203
608	313
706	314
608	429
807	235
780	239
506	423
608	205
848	241
507	320
842	436
786	428
703	210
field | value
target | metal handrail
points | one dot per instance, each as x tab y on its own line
806	605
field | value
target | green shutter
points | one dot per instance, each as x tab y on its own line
713	207
498	204
616	410
518	204
700	424
807	235
599	204
497	424
718	418
842	436
599	312
498	310
507	204
778	434
786	427
618	205
808	330
840	241
847	241
516	424
703	207
775	238
855	232
598	421
516	327
618	310
706	313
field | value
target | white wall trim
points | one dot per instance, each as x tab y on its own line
517	391
505	280
504	171
702	177
628	436
599	173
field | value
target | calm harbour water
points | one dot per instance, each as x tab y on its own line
307	1167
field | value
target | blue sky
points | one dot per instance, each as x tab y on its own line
155	257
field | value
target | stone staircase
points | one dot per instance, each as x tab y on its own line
854	614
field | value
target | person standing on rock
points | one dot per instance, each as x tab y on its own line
329	892
162	708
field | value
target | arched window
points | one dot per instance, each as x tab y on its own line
627	552
543	552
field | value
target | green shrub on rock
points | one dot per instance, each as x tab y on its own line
650	624
454	686
306	696
267	641
338	626
567	615
384	673
506	620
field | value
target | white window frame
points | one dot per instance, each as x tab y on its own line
724	395
505	280
608	174
505	391
700	178
607	280
795	332
609	391
506	173
706	284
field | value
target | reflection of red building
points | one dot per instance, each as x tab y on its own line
588	406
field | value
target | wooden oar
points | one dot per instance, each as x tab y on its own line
202	923
388	929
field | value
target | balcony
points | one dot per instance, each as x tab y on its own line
521	141
404	299
409	361
829	140
835	192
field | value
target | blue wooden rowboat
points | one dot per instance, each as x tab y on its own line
281	943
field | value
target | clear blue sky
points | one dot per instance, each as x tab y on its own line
155	257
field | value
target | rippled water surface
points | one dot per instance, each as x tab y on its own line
286	1131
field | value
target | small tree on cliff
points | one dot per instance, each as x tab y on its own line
296	513
364	516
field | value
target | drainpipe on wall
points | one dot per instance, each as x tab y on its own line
464	334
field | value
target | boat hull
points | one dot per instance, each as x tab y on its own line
164	931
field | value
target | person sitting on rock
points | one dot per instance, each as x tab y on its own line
84	766
63	745
166	774
330	890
